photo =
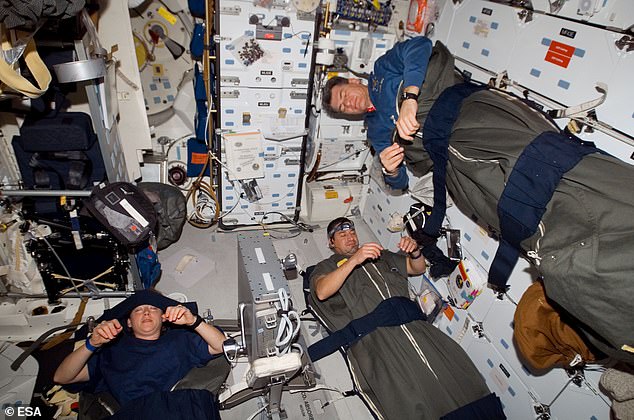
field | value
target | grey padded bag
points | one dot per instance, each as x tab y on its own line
171	208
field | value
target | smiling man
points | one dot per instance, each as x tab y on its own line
344	242
405	370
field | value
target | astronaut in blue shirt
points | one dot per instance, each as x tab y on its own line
148	357
401	69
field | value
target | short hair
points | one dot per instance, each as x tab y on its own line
332	226
327	95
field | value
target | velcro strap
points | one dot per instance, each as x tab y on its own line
529	189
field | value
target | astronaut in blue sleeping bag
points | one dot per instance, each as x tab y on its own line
133	356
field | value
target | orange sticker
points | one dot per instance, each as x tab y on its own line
462	270
557	59
559	48
330	194
449	313
199	158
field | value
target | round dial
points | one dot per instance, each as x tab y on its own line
306	5
161	40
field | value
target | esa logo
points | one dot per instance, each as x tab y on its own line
21	411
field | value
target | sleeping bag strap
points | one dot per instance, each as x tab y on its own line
436	132
530	187
390	312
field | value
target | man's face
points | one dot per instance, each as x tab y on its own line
350	98
345	242
145	321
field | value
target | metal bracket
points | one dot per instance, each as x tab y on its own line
525	15
542	411
477	329
556	5
625	43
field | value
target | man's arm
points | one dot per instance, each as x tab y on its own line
415	261
407	59
415	58
180	315
329	284
74	367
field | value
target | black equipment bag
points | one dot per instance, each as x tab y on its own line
64	131
59	152
171	208
125	211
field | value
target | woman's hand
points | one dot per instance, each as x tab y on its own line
105	332
178	315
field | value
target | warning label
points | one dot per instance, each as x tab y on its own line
559	54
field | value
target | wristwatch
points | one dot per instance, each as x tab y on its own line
420	254
409	95
386	173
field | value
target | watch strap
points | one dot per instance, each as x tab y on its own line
199	320
89	345
409	95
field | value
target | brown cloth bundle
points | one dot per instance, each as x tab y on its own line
542	337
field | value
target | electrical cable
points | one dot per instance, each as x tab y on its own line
357	153
342	177
300	225
200	188
225	213
286	332
317	388
298	346
173	142
252	416
297	224
327	403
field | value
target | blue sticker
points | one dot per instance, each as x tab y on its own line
563	84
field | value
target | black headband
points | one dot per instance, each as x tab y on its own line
344	225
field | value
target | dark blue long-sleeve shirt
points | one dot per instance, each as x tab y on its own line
404	63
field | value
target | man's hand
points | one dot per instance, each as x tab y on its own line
178	315
105	332
407	124
371	250
391	157
407	245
